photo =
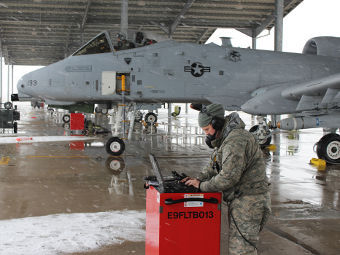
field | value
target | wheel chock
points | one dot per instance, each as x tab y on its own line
319	163
271	147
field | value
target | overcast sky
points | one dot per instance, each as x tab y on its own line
310	19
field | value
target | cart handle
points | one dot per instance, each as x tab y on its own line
170	201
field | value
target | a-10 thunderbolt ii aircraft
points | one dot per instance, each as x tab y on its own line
258	82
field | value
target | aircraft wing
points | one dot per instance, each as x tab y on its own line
323	93
54	102
313	88
317	94
229	103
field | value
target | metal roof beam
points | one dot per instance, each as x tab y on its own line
202	35
85	15
288	4
271	19
67	42
174	25
161	26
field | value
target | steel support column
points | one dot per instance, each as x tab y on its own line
124	18
0	79
8	80
253	40
278	24
12	81
169	118
279	5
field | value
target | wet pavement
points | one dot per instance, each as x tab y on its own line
63	179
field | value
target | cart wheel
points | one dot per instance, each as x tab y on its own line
115	146
66	118
8	105
15	127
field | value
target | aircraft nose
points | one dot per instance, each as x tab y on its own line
21	84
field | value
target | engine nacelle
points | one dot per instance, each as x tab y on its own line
323	46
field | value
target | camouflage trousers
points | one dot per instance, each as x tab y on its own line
247	216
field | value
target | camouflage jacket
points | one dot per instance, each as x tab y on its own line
236	165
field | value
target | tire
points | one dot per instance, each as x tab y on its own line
115	146
66	118
104	111
115	165
15	127
8	105
328	148
150	118
254	129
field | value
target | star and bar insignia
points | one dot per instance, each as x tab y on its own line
197	69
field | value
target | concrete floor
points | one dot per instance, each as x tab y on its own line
51	178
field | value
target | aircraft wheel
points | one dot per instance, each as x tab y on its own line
115	164
328	148
150	118
66	118
15	127
8	105
262	142
115	146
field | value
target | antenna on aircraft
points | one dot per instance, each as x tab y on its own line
226	41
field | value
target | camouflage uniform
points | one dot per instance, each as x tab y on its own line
237	169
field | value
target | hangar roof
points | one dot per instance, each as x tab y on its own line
40	32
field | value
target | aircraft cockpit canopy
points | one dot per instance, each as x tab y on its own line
138	39
104	44
99	44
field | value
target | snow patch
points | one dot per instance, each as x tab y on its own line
39	139
67	233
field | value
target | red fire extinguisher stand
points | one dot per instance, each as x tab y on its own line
182	223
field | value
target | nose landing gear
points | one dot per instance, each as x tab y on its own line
262	132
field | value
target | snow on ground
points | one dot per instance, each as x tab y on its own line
67	233
32	139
